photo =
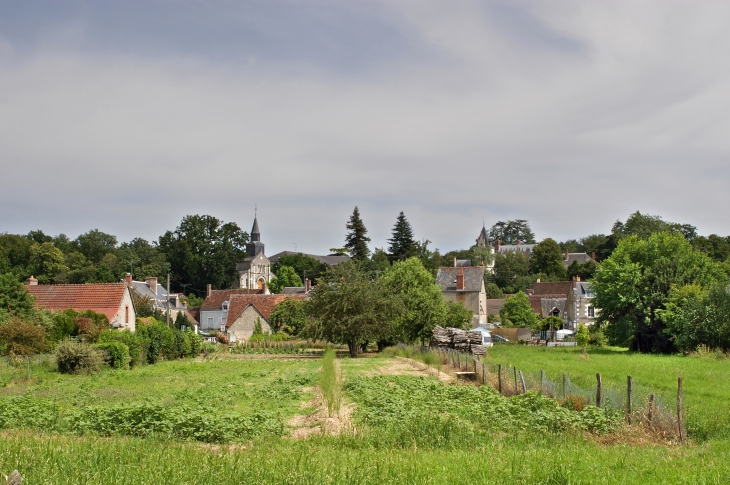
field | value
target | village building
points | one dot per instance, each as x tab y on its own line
214	310
578	258
580	307
550	299
157	296
245	311
254	271
514	248
114	300
465	285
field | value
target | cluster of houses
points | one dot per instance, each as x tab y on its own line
236	312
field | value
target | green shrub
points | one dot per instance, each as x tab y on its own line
135	342
582	337
116	354
76	357
21	338
160	339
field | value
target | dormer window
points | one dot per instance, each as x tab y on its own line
225	305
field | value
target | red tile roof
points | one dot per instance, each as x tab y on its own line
552	288
103	298
263	303
217	297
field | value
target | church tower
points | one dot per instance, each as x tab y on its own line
255	246
255	271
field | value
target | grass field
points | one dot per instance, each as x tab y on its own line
406	429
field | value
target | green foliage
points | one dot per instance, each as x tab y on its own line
519	312
402	245
512	272
285	276
193	300
142	305
257	329
547	258
550	323
75	357
63	326
585	271
289	316
330	382
379	262
14	297
203	250
493	291
582	336
46	261
714	246
18	337
457	315
423	306
181	320
349	306
511	232
134	341
160	338
633	285
116	354
304	266
356	241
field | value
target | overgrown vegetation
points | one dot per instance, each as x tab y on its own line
330	382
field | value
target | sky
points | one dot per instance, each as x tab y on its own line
127	116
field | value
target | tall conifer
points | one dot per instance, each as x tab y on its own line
402	245
356	240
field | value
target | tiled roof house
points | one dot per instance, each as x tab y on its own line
244	310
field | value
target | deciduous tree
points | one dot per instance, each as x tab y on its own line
286	276
518	312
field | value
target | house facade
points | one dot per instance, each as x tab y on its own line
244	311
580	307
550	299
214	310
465	285
111	299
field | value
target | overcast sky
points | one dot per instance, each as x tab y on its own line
126	116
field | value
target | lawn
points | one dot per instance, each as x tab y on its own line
406	429
706	386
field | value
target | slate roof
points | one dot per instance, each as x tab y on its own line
473	278
463	263
158	299
217	297
328	260
263	303
293	290
579	258
552	288
583	288
520	248
543	305
100	297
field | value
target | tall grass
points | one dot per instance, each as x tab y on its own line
330	382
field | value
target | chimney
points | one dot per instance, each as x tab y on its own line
454	261
152	283
538	280
497	246
567	254
577	278
128	279
574	282
593	255
208	291
307	285
31	281
460	280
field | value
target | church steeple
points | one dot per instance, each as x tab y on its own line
255	245
255	234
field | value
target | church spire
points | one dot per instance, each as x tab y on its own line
255	234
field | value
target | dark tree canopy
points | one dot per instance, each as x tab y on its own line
356	240
402	244
204	250
547	258
304	266
511	232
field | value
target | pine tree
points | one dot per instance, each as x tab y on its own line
356	240
402	245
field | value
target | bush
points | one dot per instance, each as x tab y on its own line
582	337
76	357
160	338
21	338
116	354
597	338
135	342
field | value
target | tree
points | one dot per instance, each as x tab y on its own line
286	276
512	232
22	338
518	311
402	244
15	252
356	240
548	259
304	266
457	315
14	296
203	250
493	291
349	306
94	245
550	323
511	271
46	262
142	304
634	284
582	336
585	270
379	262
423	304
289	316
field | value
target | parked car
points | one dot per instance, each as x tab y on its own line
498	339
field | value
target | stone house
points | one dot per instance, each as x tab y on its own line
111	299
465	285
580	304
245	310
214	310
550	299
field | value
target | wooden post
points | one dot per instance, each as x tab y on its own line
474	362
598	390
565	387
542	382
522	379
680	424
484	373
499	377
651	408
458	361
517	389
628	398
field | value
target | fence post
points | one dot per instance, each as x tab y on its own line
499	377
484	373
565	387
542	382
474	362
458	360
628	398
522	379
680	425
598	390
517	389
651	408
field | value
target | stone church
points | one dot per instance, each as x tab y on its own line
255	271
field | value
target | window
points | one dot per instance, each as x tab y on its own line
591	312
225	305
